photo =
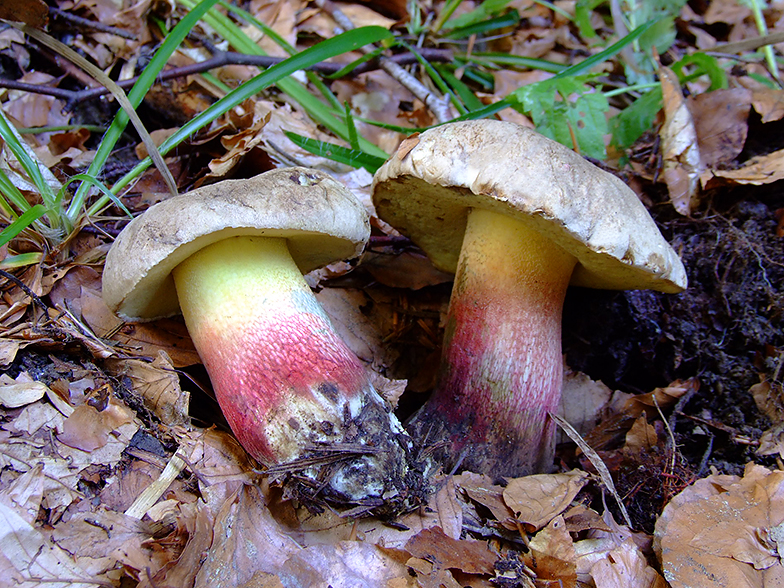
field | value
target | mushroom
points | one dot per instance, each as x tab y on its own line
517	218
231	257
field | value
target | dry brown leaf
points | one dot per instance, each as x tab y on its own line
182	571
449	509
769	103
721	123
763	169
20	392
471	557
158	384
32	12
347	564
717	531
102	541
407	269
218	462
625	566
26	553
357	330
537	500
481	489
88	429
246	541
582	401
25	494
641	436
553	557
238	145
140	338
682	165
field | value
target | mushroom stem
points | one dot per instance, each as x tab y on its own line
502	369
284	379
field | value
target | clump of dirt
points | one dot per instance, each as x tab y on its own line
720	330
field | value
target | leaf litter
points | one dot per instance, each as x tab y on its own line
105	479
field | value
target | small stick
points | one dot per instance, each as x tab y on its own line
85	22
219	59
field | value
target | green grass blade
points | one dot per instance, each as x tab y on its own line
577	69
21	223
135	96
21	260
8	134
11	194
342	43
495	59
352	157
462	91
318	111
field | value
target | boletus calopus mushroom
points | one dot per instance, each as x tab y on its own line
231	256
517	218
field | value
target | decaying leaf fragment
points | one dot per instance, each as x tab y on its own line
682	165
723	531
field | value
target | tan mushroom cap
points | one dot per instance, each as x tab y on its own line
426	189
321	220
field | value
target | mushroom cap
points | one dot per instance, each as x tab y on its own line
427	187
320	219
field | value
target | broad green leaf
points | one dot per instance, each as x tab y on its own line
630	124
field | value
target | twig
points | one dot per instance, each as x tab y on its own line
438	106
597	463
219	59
85	22
33	296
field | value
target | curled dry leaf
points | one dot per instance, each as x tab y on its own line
553	557
480	489
625	566
682	165
722	531
582	401
537	500
20	392
158	384
721	123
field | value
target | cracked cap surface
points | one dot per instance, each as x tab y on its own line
320	219
427	187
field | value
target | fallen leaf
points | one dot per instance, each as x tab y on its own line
682	165
716	532
246	541
721	123
536	500
769	103
481	489
20	392
158	384
471	557
553	557
625	566
28	559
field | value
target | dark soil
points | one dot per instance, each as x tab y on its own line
725	330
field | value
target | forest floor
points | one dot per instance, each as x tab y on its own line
118	468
